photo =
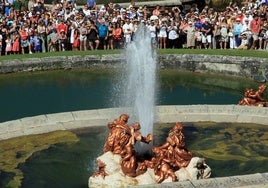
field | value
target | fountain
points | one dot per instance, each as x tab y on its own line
137	83
123	161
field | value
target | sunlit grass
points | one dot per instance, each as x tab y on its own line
241	53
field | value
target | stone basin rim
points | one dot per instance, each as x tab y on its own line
100	117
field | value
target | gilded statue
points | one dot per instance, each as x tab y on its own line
254	98
118	136
168	160
172	155
121	140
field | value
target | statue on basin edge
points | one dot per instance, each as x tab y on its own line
254	98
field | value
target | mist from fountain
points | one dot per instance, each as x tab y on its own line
138	81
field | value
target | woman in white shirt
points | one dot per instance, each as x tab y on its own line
162	36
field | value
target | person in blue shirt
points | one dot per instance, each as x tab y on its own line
237	31
103	34
91	4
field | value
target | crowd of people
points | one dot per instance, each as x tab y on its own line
37	27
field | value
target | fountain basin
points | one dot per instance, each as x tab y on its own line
165	114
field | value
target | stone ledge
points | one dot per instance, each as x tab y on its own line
164	114
227	65
257	180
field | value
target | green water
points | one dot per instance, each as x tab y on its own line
229	149
31	94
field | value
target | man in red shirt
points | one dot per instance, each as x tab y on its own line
255	27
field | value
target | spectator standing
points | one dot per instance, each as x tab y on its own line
223	34
232	44
37	43
93	36
190	33
245	26
92	4
86	11
237	27
53	40
262	34
182	36
68	13
8	45
110	39
247	17
156	10
216	34
24	40
127	30
198	38
83	37
41	30
40	8
110	8
153	34
31	4
103	34
62	26
75	42
172	35
62	40
255	27
16	43
117	35
162	35
206	34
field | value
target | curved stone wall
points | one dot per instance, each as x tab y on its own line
100	117
219	64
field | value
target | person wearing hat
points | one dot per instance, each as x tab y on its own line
244	41
245	25
247	16
190	35
240	16
237	29
206	34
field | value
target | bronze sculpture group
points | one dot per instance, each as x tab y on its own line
254	98
166	159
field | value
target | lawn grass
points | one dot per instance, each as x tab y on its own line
241	53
